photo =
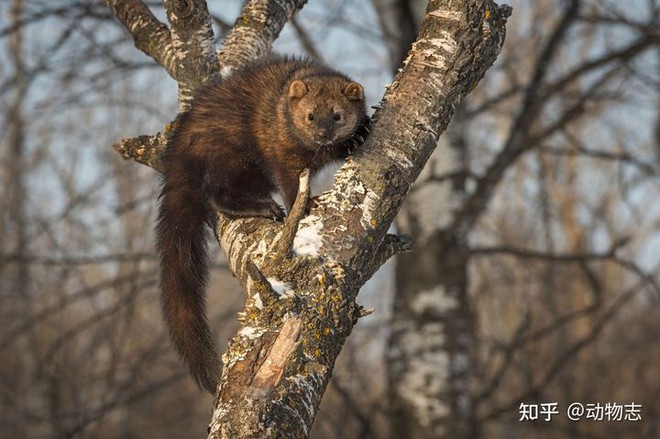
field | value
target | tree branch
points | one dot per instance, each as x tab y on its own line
536	254
285	245
518	140
143	149
608	316
192	36
150	35
305	40
392	245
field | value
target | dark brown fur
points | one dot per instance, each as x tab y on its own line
243	138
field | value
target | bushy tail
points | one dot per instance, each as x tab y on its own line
181	242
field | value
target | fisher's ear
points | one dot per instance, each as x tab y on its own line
297	89
354	92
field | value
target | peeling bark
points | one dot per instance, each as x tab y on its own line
301	307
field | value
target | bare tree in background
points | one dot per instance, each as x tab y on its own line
440	329
12	218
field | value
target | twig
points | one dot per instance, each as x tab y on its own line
290	228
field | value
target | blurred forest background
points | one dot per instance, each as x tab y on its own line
558	260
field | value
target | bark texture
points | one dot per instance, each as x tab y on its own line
302	277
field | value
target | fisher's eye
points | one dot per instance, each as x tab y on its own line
310	116
337	116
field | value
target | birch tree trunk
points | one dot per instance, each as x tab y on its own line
301	278
429	347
